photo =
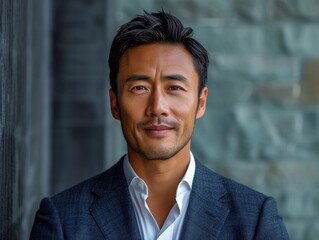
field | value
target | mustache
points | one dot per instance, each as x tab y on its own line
158	121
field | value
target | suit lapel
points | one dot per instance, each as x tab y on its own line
114	214
206	214
113	210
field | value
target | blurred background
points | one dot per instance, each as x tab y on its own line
261	127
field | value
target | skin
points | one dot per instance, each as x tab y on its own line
157	103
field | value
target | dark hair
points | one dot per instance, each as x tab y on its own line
156	27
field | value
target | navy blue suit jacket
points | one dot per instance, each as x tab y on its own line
101	208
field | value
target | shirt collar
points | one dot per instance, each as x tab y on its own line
129	172
188	178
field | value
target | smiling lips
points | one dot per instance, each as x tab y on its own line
158	130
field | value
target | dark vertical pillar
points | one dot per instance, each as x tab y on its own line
12	67
80	90
24	113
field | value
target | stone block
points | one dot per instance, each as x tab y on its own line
210	141
254	68
276	94
310	82
293	176
299	204
253	133
295	186
243	132
247	173
222	38
284	124
296	9
299	39
188	10
231	134
228	93
252	10
274	134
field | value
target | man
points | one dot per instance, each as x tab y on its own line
158	190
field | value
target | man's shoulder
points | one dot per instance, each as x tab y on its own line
241	211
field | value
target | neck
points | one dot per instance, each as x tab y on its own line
162	178
161	175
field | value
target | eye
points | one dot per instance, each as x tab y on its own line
175	88
139	89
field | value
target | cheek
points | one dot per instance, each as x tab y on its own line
186	106
127	124
131	101
130	115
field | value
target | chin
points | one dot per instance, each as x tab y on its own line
159	155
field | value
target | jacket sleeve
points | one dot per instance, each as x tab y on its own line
270	225
46	224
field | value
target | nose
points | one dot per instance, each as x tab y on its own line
157	104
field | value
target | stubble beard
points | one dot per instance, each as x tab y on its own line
162	153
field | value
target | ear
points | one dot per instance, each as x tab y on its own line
114	106
202	103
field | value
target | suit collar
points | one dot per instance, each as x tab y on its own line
114	214
113	209
206	212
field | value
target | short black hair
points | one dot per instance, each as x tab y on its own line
156	27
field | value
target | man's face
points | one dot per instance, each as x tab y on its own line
157	100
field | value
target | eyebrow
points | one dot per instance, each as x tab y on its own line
140	77
137	77
175	77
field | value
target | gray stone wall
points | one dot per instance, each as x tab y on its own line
261	126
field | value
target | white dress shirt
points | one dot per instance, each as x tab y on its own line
147	224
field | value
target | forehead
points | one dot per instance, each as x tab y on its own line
160	57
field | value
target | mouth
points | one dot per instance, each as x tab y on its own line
158	130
